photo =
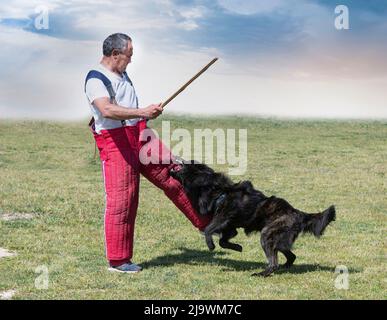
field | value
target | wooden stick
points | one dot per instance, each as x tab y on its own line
188	83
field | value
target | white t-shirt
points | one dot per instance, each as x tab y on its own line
125	97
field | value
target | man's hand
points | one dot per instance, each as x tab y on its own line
152	111
115	112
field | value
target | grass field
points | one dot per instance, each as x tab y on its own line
48	169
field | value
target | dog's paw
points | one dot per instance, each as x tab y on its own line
238	248
210	243
256	274
265	273
211	248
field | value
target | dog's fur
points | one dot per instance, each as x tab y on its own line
239	205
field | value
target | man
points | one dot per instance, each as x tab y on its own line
118	123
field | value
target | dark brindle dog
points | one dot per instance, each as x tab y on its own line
239	205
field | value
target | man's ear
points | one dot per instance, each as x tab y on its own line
115	53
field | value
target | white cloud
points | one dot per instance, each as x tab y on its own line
193	13
52	86
248	7
22	9
46	80
42	77
188	25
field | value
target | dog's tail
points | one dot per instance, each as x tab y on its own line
316	223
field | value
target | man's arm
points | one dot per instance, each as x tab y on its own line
116	112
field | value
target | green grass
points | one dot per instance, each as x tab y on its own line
48	169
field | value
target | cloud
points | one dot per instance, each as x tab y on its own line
46	80
248	7
86	20
276	57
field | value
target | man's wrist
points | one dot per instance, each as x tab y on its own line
140	113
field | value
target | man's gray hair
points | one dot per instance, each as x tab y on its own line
118	41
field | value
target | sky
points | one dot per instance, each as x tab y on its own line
277	58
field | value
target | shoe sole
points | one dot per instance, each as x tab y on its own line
120	271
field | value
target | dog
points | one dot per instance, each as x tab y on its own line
240	205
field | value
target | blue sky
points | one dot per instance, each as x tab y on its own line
277	58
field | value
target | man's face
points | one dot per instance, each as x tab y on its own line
123	58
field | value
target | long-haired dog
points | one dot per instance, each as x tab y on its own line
239	205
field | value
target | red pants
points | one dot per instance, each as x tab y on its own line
119	152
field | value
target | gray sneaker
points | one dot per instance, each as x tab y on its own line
126	268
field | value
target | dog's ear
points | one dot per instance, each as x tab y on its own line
248	186
245	186
202	180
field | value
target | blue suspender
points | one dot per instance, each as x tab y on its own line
99	75
131	83
127	78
